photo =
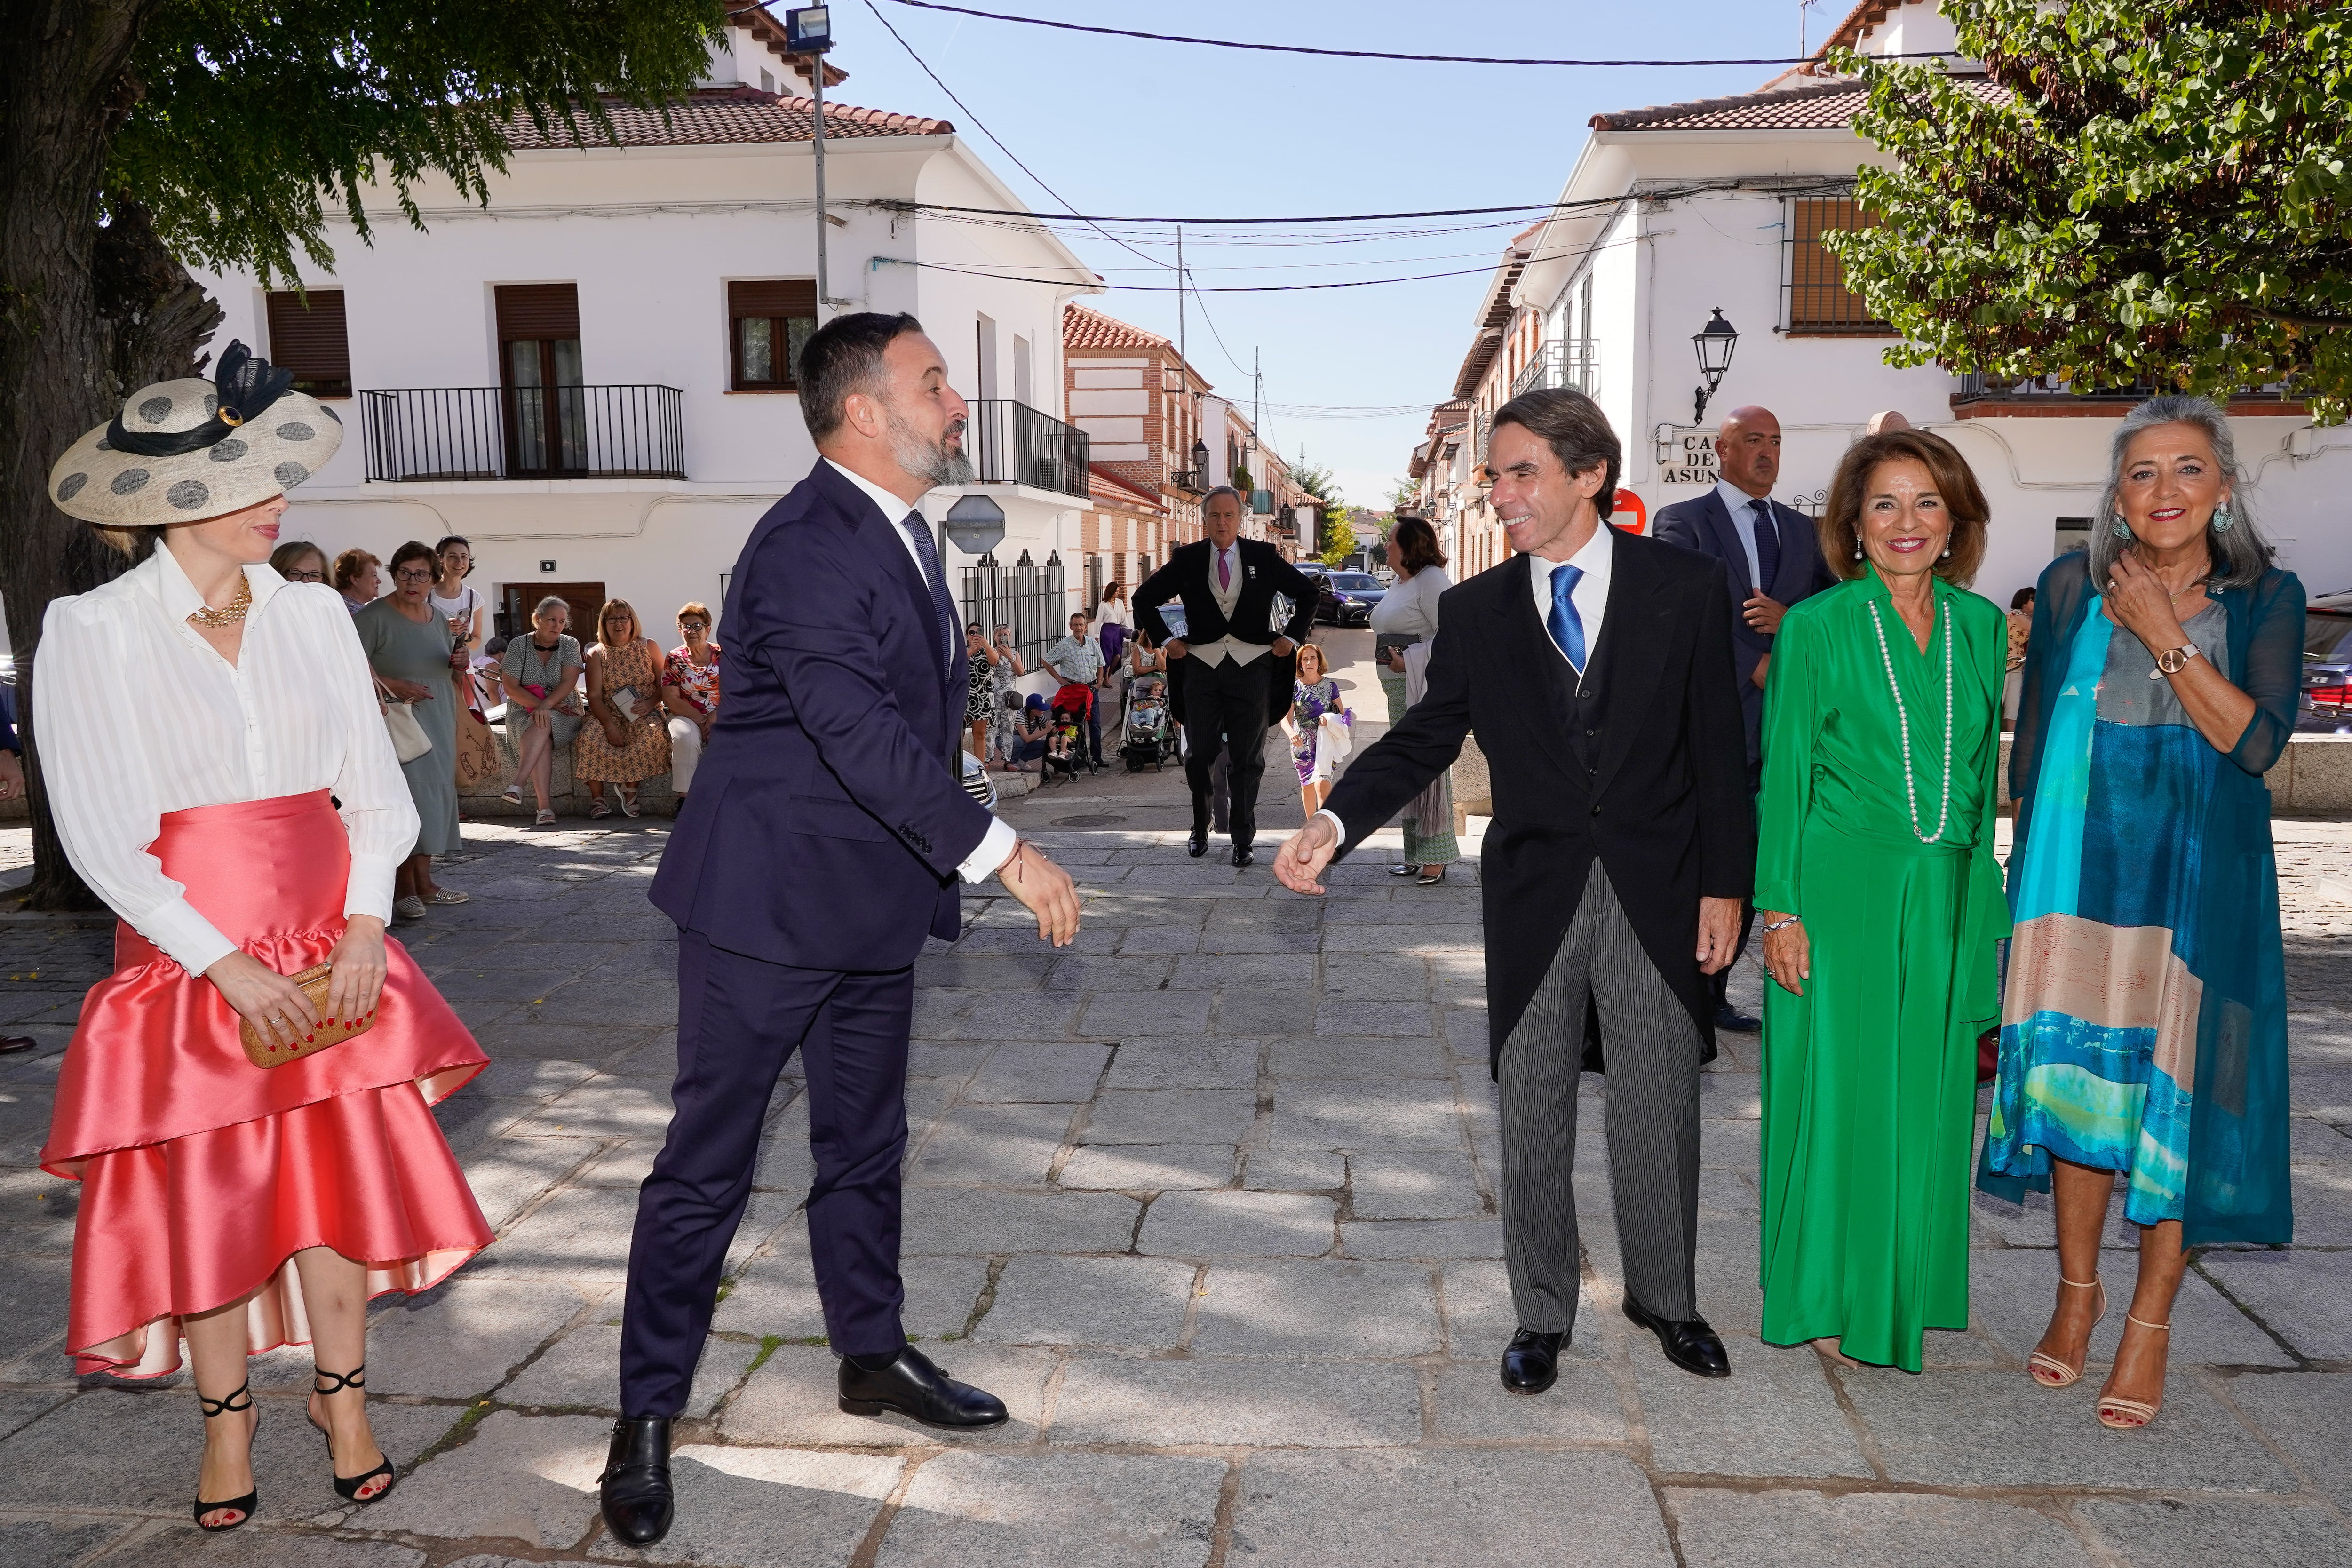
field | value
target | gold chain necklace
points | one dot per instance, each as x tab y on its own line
230	614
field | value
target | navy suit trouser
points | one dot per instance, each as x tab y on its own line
739	1021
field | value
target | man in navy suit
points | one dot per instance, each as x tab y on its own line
825	838
1774	559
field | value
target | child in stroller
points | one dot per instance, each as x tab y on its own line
1148	739
1065	747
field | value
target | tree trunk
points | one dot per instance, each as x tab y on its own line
64	87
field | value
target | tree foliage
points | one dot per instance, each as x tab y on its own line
2152	192
1334	540
255	115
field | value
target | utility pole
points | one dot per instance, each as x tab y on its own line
808	32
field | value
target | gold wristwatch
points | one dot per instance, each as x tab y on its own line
2173	660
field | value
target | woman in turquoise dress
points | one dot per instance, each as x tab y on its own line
2144	1026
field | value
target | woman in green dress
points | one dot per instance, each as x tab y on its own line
413	654
1881	904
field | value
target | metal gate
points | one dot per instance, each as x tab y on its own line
1025	595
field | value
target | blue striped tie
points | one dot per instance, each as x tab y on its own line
1566	626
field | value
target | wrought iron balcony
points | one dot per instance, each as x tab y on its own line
1563	362
1013	443
439	433
1975	385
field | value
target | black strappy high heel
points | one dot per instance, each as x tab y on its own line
243	1505
348	1488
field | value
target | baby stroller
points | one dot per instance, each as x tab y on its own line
1150	738
1066	752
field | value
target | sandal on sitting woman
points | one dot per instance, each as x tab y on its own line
348	1488
2047	1369
2121	1415
597	808
240	1506
628	803
546	818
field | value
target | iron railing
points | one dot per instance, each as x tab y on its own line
1013	443
525	433
1975	386
1572	363
1025	595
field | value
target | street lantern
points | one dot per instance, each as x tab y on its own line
1714	342
1200	456
975	524
809	30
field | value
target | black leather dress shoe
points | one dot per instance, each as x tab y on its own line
1531	1364
635	1490
1730	1020
1243	856
1692	1346
912	1386
1197	844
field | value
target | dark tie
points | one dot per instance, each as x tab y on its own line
1767	545
1566	626
936	579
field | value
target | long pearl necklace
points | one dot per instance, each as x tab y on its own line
1903	719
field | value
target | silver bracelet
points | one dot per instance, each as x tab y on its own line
1783	925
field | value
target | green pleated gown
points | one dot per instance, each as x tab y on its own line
1869	1078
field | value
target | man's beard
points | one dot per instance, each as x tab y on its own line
934	462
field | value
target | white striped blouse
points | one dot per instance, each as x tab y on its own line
136	715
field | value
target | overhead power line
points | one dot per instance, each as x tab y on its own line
1372	53
1194	288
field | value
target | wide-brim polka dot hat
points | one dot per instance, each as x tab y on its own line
184	451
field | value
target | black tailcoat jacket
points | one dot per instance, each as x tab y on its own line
1647	773
1264	574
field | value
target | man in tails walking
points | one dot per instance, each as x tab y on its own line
1595	668
1773	559
1236	666
824	838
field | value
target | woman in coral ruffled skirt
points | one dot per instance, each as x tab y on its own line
221	775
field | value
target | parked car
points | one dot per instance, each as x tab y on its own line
2328	658
1347	597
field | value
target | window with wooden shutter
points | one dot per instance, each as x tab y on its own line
1819	300
769	322
307	337
542	312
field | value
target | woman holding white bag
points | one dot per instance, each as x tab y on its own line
1318	727
413	653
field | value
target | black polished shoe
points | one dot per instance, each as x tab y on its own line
1730	1020
1692	1346
1243	856
1531	1364
635	1489
1197	844
913	1387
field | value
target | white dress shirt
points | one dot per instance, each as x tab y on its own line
140	717
1590	594
1742	507
996	846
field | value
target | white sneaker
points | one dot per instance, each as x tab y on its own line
411	908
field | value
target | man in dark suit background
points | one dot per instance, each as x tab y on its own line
1774	559
1234	667
825	838
1595	667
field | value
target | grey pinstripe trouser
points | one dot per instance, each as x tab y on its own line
1651	1118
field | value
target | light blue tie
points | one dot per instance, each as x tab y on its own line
1567	626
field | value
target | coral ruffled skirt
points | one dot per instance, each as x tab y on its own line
203	1175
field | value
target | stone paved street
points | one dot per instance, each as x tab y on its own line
1209	1199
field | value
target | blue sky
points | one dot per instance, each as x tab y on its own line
1121	126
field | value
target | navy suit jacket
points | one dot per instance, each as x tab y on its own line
1703	523
827	820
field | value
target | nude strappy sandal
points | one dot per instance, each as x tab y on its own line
2059	1374
2141	1415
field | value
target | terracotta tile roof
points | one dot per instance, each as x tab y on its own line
1111	488
727	116
1085	329
1817	106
